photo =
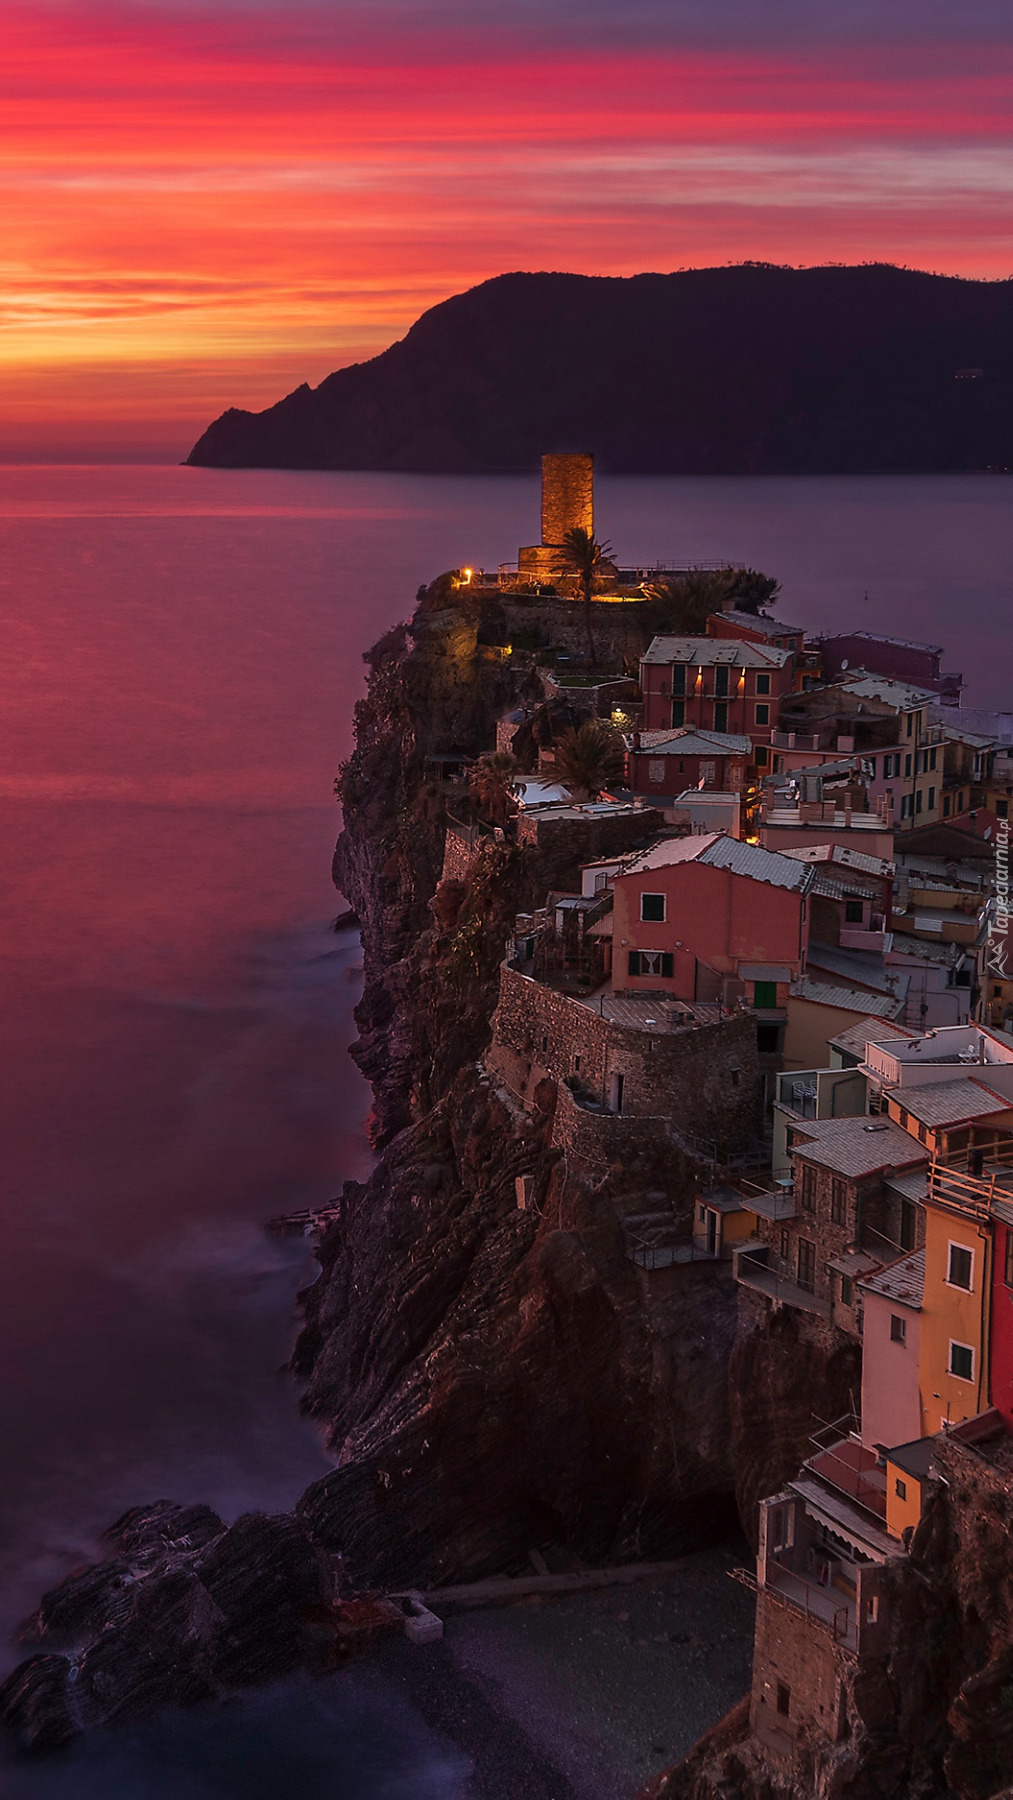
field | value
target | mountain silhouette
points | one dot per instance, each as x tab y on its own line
751	369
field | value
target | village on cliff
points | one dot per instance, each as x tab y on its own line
788	958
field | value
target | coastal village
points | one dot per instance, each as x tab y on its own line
787	960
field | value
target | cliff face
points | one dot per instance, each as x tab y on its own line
492	1370
748	370
478	1365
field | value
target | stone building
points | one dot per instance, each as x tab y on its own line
841	1218
567	505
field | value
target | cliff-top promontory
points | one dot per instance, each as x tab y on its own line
751	370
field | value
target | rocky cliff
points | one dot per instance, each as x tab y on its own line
492	1376
748	370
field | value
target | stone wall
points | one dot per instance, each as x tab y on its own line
573	839
599	1141
621	632
797	1654
703	1079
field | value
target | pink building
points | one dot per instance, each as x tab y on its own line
710	918
891	1342
716	685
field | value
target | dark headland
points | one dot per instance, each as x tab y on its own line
748	370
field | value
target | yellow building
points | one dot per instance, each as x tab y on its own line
907	1475
952	1373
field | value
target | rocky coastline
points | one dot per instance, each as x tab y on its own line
492	1377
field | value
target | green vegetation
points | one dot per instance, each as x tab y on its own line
493	785
590	561
681	606
589	758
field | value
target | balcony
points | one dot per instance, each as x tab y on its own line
752	1270
825	1605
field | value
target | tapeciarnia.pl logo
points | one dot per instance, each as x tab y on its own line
998	925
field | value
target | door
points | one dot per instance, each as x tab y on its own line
721	715
615	1092
807	1265
712	1232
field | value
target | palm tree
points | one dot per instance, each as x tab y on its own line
583	556
589	758
682	605
493	784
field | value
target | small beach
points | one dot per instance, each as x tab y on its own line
587	1697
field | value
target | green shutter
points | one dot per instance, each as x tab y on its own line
634	962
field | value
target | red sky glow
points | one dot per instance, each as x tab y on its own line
205	205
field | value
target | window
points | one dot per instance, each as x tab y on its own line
854	912
905	805
902	1118
652	962
783	1700
847	1291
807	1194
907	759
839	1202
807	1265
932	759
898	1329
931	799
872	1609
765	995
962	1361
656	771
702	1214
652	908
961	1265
908	724
678	678
721	680
1002	809
922	1134
721	715
678	714
760	756
900	1488
768	1040
763	684
785	1245
919	798
763	715
1008	1273
946	806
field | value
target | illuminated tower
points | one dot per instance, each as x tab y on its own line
567	504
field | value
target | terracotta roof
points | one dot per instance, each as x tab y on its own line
855	1147
903	1281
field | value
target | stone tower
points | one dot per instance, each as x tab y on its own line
567	496
567	503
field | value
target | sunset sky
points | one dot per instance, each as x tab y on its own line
207	203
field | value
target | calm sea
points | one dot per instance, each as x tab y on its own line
180	652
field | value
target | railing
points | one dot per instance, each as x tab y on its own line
973	1190
815	1603
764	1278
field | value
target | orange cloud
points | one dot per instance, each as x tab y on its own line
204	210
